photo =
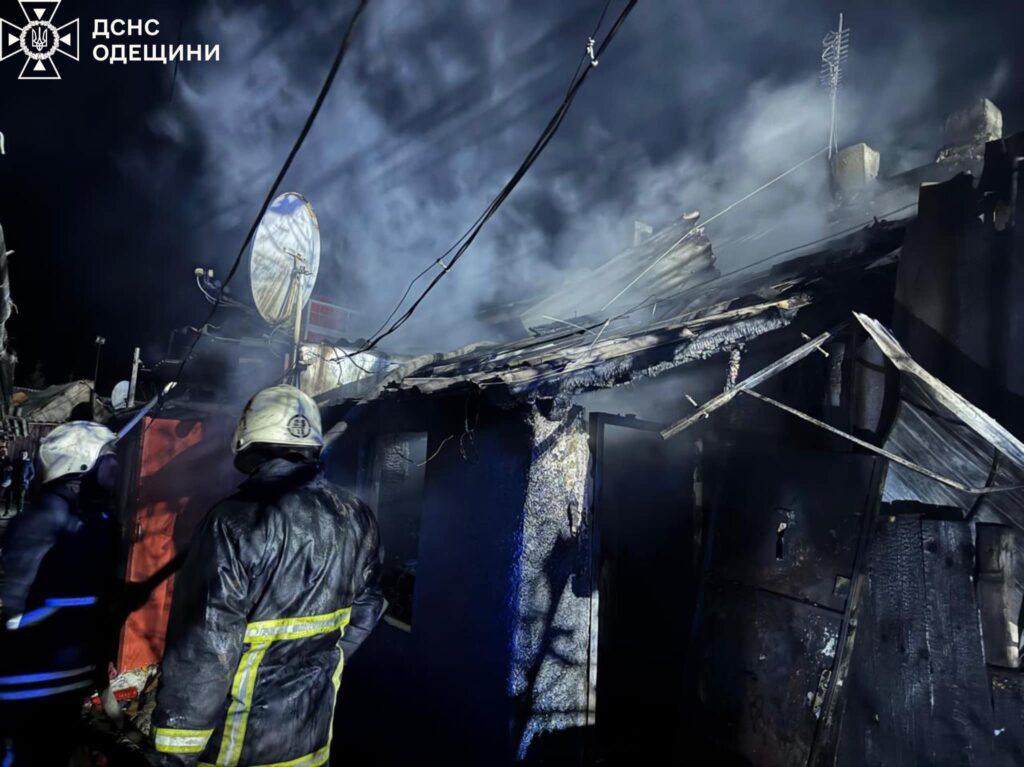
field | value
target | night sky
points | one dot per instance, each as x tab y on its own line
119	180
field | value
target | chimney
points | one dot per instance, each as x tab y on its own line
854	169
967	130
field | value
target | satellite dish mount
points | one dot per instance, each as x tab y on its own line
295	290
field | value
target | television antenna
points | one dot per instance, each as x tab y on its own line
835	47
283	266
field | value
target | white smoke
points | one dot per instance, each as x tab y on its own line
435	107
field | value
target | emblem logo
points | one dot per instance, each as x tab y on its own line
39	39
299	427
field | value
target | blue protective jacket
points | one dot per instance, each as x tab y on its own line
24	472
59	560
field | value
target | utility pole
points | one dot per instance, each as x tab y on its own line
100	340
134	379
835	47
297	289
297	340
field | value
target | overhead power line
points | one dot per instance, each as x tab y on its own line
339	57
722	212
599	325
588	62
764	260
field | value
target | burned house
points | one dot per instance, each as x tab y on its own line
552	546
745	519
773	515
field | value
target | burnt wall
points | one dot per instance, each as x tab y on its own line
917	690
960	278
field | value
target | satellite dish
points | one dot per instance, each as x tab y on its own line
119	395
285	258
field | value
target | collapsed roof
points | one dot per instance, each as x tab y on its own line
704	315
653	269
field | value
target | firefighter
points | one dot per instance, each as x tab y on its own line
24	473
278	589
6	479
59	560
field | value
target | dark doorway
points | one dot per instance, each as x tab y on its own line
645	550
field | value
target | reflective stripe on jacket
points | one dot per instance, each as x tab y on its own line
59	558
279	586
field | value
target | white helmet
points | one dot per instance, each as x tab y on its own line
74	448
280	415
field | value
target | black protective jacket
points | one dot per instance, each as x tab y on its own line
279	586
59	560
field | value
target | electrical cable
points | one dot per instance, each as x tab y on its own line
224	300
649	299
174	77
535	151
314	111
454	245
722	212
419	276
580	329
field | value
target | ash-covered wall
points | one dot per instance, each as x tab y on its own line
551	677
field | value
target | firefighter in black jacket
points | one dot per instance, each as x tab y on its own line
279	587
59	560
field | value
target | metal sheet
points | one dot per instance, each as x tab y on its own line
976	419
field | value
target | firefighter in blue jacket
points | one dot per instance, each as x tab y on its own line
279	587
59	560
24	471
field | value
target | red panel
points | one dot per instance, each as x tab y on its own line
185	467
325	321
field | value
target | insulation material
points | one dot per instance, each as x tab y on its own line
327	367
550	676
